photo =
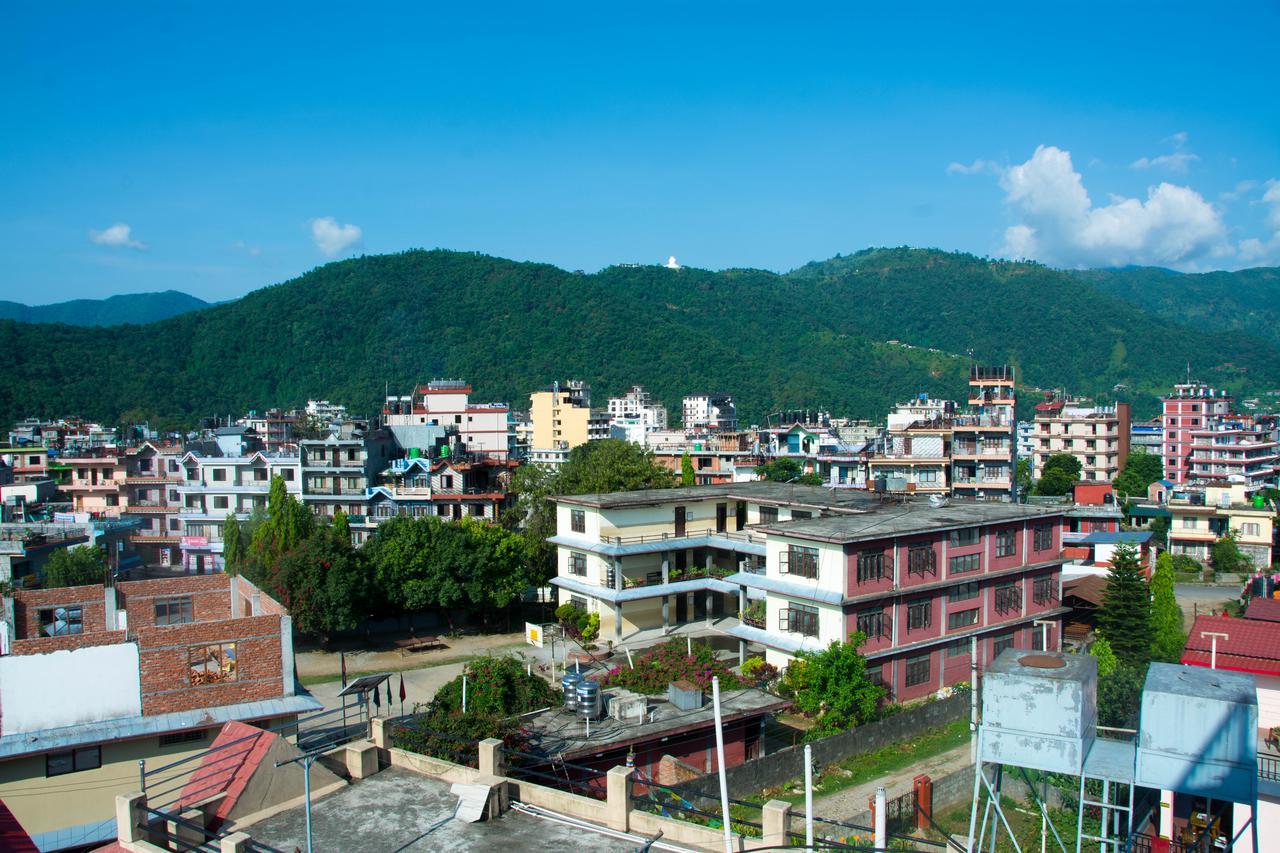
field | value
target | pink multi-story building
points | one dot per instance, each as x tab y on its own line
1192	406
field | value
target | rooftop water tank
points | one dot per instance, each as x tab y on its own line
1199	732
590	705
685	695
569	685
1039	710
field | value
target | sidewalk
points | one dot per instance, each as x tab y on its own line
851	802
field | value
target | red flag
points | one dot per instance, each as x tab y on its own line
402	693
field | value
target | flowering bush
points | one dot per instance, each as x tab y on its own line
758	673
671	661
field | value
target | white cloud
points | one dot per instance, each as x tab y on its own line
1241	188
1061	226
1256	251
248	248
332	238
118	235
977	167
1175	162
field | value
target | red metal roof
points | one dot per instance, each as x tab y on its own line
1250	645
12	836
1265	609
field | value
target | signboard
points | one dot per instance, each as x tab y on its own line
64	517
533	634
166	556
195	541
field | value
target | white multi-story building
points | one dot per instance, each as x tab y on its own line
921	409
1027	443
710	412
486	429
636	415
215	486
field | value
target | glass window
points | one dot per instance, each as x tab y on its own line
1044	590
1008	598
1043	537
1006	543
964	592
967	536
870	566
174	611
799	619
921	560
919	614
962	619
957	648
873	624
577	521
61	621
220	474
917	670
578	564
801	561
1004	641
768	514
72	760
965	563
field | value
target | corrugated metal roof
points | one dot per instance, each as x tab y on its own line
136	727
639	593
1117	537
1250	645
1264	609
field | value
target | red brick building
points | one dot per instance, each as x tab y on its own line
101	678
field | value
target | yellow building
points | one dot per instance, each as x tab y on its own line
562	418
1198	520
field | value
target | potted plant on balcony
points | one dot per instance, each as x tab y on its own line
754	615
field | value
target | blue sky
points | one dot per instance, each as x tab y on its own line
219	148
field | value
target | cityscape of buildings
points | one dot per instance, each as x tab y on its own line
920	532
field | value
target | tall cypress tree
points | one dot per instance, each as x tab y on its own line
1167	638
1125	616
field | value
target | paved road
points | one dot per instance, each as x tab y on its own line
1202	598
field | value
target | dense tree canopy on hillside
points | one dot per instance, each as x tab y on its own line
813	338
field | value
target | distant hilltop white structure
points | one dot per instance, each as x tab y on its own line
671	263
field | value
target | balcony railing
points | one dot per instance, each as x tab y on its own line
639	539
1269	767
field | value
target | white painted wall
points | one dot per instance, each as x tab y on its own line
1268	700
831	564
68	688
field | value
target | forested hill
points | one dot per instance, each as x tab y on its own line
814	337
1244	301
112	311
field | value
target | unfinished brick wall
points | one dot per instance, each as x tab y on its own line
166	675
44	645
243	604
210	597
27	604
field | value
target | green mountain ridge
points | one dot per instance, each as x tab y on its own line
115	310
814	337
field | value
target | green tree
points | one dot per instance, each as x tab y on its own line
233	545
1024	476
1227	557
341	526
322	583
610	465
687	477
1125	616
1167	638
78	566
1060	473
832	686
787	470
1120	696
1160	531
1141	469
1101	650
534	515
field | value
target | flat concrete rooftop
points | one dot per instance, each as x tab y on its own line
398	810
878	520
790	494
